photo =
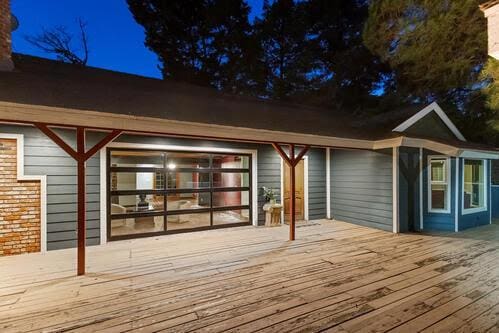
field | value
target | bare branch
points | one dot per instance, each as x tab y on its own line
59	41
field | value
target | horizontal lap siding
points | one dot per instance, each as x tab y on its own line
44	157
317	184
361	188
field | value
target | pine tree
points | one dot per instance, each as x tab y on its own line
286	53
205	42
436	47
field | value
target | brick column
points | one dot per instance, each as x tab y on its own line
5	37
20	210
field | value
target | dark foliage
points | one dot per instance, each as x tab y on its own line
306	51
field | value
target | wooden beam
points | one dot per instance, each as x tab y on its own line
60	142
292	206
301	154
81	226
110	137
292	161
281	152
81	156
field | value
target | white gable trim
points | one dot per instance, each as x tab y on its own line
418	116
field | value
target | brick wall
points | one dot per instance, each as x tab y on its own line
19	206
5	36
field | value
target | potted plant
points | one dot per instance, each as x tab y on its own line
269	195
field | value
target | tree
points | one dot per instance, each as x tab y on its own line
60	42
349	74
314	53
205	42
286	51
436	48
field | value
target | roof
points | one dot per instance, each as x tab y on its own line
488	4
47	83
38	81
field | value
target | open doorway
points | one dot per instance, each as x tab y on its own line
300	191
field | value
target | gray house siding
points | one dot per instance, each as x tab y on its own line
361	187
317	184
44	157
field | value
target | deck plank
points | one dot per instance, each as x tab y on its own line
335	277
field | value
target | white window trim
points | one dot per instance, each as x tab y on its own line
448	180
103	174
466	211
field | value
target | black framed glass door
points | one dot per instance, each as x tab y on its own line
158	192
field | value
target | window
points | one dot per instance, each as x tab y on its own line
438	194
169	191
474	194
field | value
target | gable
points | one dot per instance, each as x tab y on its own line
430	126
430	122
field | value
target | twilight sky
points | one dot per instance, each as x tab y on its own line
116	40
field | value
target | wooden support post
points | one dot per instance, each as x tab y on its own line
81	221
292	161
292	169
81	156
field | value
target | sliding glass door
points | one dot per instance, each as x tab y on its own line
157	192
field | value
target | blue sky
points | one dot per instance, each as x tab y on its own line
116	40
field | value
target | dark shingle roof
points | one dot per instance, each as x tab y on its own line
39	81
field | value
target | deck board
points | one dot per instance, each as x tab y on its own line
335	277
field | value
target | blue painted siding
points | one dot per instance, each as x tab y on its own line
494	198
446	221
409	178
467	221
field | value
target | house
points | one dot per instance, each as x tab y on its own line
160	157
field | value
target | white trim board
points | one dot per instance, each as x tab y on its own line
15	112
103	175
305	189
490	191
43	185
421	204
421	114
328	183
456	195
395	190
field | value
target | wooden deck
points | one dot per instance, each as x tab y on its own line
335	277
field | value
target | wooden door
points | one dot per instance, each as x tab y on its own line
299	192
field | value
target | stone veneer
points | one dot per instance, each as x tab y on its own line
20	209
